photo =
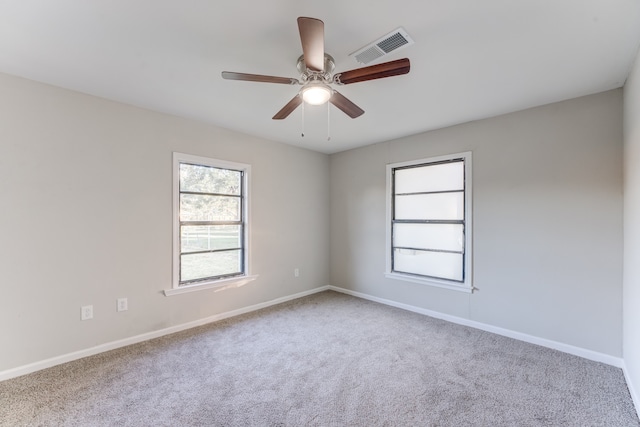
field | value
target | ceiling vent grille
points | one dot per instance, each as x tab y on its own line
383	46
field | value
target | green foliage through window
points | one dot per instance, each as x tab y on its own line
211	217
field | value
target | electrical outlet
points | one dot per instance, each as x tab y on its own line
122	305
86	312
296	272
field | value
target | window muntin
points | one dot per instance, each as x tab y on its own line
429	263
429	227
210	221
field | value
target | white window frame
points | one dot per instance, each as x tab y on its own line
467	284
223	283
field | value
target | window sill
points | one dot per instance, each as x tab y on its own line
218	285
431	282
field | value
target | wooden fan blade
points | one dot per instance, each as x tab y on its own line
288	109
348	107
230	75
386	69
312	38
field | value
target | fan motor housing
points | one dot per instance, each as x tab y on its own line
329	66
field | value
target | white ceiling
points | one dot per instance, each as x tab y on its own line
471	59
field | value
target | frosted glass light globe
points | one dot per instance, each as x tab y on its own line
316	94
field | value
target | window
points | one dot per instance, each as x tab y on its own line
429	221
210	223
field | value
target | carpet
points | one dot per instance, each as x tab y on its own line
324	360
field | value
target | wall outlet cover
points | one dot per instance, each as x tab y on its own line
86	312
122	305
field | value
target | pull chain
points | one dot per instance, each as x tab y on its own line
302	132
328	122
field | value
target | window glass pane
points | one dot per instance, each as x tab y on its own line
448	237
438	177
197	207
196	238
200	266
434	264
207	179
448	206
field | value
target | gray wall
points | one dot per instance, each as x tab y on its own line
86	219
547	222
632	231
86	210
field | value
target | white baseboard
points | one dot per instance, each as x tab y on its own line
566	348
577	351
632	390
43	364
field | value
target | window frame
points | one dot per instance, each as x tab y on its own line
466	285
222	282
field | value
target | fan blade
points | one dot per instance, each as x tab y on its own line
288	109
386	69
230	75
348	107
312	38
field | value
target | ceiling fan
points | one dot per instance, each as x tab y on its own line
316	68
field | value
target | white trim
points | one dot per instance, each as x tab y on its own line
467	285
576	351
565	348
218	285
223	164
431	282
43	364
635	397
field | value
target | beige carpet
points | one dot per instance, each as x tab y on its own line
324	360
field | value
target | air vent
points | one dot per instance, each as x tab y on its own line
383	46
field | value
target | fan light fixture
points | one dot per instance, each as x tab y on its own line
316	93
